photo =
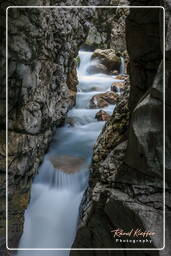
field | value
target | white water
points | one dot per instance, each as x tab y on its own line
52	216
122	68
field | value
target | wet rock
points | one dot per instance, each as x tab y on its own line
115	72
69	121
102	116
102	100
108	58
122	77
110	97
118	86
98	102
97	68
66	163
72	80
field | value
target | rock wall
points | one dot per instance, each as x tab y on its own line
42	45
126	181
108	28
148	157
117	39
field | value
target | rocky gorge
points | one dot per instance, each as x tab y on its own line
126	173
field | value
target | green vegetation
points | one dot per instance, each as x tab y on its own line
77	61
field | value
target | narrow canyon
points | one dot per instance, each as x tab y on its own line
85	125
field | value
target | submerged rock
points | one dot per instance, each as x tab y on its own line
108	58
103	99
102	116
69	121
66	163
97	68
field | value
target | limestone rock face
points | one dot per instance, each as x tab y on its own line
96	38
126	181
143	50
108	24
118	40
146	129
100	30
43	44
113	132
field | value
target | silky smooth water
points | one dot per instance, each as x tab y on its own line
122	68
52	215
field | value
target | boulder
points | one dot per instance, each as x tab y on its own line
102	100
118	87
102	116
98	102
108	58
97	68
110	97
66	163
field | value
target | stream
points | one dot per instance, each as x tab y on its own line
52	215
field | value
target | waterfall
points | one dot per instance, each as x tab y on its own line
52	215
85	59
122	67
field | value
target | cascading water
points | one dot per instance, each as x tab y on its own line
52	216
122	68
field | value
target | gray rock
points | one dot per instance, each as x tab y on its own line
43	44
126	182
